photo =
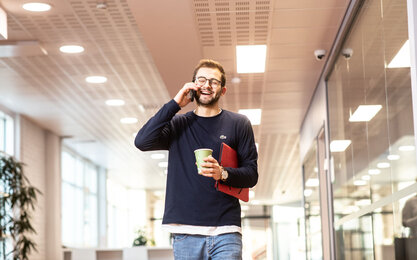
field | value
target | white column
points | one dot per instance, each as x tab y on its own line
412	34
53	197
102	207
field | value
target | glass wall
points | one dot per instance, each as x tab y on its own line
79	201
372	148
313	229
6	134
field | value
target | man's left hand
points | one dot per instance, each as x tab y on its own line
211	168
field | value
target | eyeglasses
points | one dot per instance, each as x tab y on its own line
201	81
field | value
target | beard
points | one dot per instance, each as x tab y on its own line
208	102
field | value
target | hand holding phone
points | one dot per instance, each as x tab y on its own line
192	94
186	94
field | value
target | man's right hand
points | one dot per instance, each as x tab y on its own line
182	98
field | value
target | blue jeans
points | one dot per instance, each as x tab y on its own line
196	247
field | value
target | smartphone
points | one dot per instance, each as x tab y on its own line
192	92
192	95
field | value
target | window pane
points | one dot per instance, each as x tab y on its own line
7	146
79	204
91	178
68	209
9	135
79	173
90	224
78	216
6	133
68	164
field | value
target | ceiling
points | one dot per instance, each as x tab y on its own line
147	50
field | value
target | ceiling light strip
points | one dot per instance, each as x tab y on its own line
364	113
250	58
3	25
37	7
402	58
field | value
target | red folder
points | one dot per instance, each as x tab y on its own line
228	158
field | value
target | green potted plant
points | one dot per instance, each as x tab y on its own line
138	249
17	200
141	239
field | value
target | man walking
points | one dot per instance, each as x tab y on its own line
205	222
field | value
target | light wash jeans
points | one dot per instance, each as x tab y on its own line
196	247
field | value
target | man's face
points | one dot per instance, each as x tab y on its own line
209	94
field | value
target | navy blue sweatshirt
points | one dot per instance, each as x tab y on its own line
192	199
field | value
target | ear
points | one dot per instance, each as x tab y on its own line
224	90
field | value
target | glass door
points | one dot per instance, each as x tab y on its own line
317	201
311	198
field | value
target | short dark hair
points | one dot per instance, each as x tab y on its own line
206	63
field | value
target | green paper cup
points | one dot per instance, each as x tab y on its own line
200	154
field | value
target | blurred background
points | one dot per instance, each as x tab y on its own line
328	86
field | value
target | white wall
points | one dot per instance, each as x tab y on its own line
40	152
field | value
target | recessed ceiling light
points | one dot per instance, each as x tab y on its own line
101	5
157	156
406	148
364	113
366	177
312	182
128	120
393	157
383	165
96	79
71	49
254	115
339	145
359	183
163	164
374	171
250	58
37	7
115	102
308	192
402	58
235	80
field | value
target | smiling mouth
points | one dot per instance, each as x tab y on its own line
206	92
